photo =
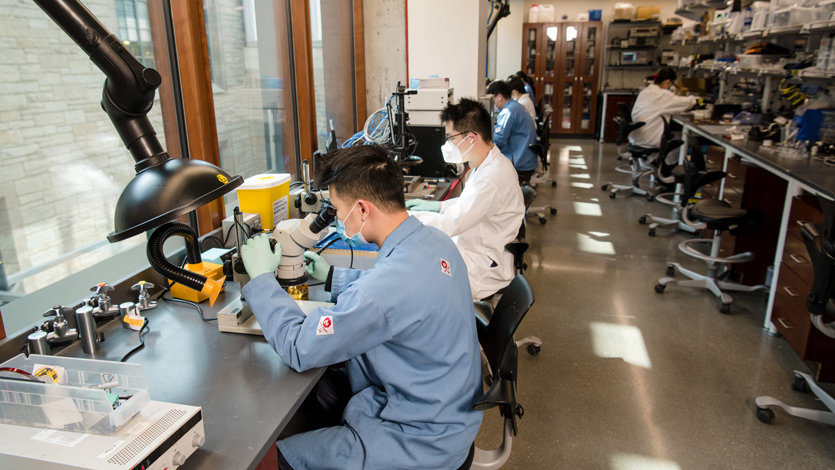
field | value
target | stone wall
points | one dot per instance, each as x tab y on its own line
63	165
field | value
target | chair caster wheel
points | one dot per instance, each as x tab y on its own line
620	157
533	349
799	384
553	184
612	195
671	271
650	198
659	288
725	308
488	379
642	220
651	232
604	187
553	211
542	221
765	415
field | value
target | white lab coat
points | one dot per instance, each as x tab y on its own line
482	220
526	102
651	104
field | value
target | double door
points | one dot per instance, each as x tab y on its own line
563	59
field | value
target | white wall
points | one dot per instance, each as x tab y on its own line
449	39
509	32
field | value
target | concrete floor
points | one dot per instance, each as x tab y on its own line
630	379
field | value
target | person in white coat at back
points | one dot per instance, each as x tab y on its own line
489	212
654	101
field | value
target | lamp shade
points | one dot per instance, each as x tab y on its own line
166	191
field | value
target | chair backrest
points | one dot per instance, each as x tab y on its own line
499	347
625	124
820	243
696	175
668	143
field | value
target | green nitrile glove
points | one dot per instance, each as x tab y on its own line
318	268
423	205
259	257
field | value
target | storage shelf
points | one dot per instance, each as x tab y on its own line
618	48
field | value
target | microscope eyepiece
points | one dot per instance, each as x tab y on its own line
325	217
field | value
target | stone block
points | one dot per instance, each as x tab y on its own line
10	137
20	150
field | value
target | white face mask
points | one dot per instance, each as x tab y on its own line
452	154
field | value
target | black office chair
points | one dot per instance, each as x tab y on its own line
496	328
541	148
517	248
638	158
669	144
718	216
819	301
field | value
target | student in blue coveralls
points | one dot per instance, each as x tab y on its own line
406	329
515	131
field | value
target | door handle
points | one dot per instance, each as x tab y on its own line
791	291
798	259
784	324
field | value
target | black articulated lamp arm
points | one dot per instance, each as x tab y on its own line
130	86
164	188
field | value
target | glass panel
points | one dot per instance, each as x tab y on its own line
332	33
590	46
548	95
530	53
63	164
585	118
567	96
134	29
253	95
550	50
570	43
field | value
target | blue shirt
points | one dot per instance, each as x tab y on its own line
514	133
530	91
407	330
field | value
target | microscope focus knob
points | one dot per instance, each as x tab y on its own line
310	199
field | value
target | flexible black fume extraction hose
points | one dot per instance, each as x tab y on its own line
169	270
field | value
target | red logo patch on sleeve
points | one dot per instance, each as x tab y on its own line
445	267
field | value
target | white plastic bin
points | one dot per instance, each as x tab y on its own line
73	406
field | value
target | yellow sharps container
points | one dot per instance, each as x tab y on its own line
268	195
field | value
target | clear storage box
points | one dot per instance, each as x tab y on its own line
73	406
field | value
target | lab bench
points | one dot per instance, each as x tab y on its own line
788	205
247	393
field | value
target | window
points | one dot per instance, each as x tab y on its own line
252	87
135	29
63	163
331	33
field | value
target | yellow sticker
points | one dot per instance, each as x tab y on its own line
48	372
222	179
133	321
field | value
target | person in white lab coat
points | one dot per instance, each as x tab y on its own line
656	100
489	212
517	90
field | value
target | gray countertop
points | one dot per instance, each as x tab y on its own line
815	175
248	394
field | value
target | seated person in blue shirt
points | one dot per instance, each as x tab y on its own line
515	131
528	84
405	328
